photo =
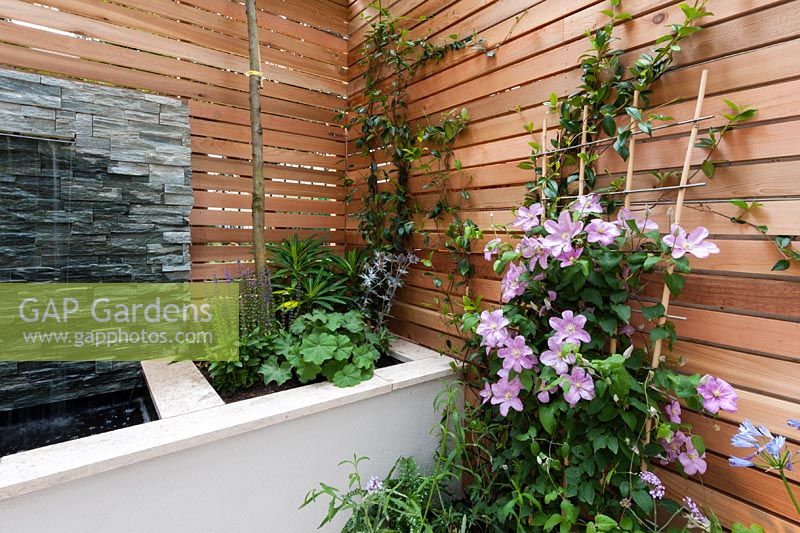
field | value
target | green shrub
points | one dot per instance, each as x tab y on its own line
339	346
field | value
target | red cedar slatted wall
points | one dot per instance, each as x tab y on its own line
742	320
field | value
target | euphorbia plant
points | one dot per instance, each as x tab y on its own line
576	412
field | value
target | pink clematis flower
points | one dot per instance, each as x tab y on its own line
491	249
673	447
643	223
544	394
673	410
528	217
569	328
555	358
587	204
506	394
533	249
581	387
512	286
516	355
486	393
492	328
693	463
561	233
717	395
601	232
568	258
693	243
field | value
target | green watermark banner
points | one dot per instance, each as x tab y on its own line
119	321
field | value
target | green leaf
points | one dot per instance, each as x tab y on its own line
272	371
623	312
782	264
365	356
651	261
586	493
643	500
783	241
307	371
741	204
674	282
593	296
353	322
348	376
609	126
552	522
608	324
547	417
699	444
605	523
708	168
318	347
652	312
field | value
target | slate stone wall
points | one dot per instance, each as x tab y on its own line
117	208
112	204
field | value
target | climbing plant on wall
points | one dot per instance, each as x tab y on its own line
393	145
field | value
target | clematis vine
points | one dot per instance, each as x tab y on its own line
561	233
717	395
528	217
580	387
694	243
557	357
569	328
586	205
602	232
692	461
673	447
491	249
532	248
506	394
673	410
486	393
568	258
492	328
512	286
516	355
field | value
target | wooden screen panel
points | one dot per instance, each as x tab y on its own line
197	49
740	323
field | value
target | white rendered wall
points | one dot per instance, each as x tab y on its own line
251	482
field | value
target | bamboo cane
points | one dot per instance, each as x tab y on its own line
257	142
544	155
631	152
582	164
687	163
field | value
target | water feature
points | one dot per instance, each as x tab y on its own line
43	403
42	425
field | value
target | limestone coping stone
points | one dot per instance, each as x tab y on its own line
38	469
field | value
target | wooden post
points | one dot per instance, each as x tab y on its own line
687	163
582	163
631	152
257	142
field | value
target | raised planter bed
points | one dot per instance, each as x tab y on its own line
243	466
